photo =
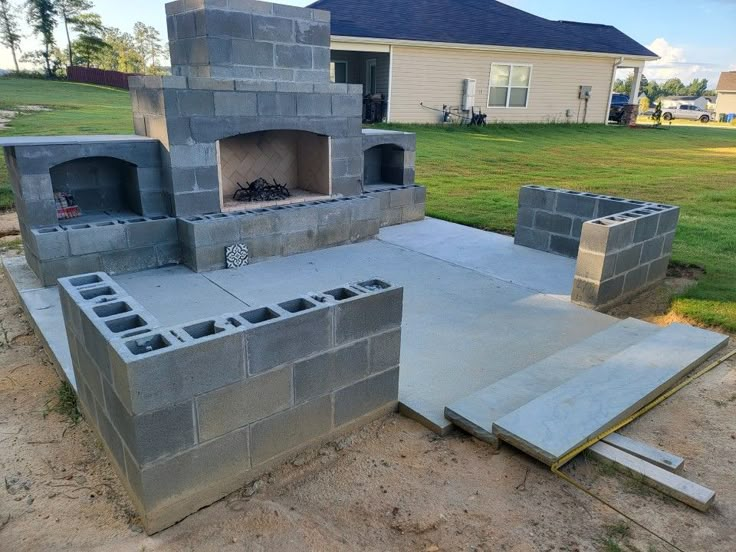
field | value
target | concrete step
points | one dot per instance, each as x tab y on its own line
554	424
477	412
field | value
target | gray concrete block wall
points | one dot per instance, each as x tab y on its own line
278	231
399	204
114	245
623	254
551	219
248	39
188	413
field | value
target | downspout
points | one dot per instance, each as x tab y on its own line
616	65
390	82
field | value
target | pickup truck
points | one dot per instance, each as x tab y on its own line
689	112
618	103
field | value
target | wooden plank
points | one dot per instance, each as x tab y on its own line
679	488
660	458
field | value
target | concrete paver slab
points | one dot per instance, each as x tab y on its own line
554	424
477	412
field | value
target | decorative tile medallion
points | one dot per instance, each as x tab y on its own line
236	255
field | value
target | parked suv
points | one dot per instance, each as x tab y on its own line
689	112
618	104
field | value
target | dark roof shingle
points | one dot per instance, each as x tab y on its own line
727	81
484	22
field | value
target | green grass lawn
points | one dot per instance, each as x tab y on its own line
74	109
474	175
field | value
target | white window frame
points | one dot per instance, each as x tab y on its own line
341	62
509	87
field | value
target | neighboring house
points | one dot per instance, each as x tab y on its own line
512	65
726	100
676	101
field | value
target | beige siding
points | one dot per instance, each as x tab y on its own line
434	76
726	103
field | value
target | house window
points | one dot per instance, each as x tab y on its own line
509	85
339	72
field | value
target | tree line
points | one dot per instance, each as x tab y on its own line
671	87
94	44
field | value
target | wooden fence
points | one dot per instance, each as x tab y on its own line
90	75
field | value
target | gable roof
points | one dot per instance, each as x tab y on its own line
481	22
727	82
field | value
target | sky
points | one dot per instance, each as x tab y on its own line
694	39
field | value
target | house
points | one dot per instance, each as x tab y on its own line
676	101
726	101
481	54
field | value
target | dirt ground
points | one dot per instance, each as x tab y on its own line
392	486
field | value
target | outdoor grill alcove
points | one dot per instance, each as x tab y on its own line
384	164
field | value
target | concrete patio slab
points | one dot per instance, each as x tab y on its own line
464	328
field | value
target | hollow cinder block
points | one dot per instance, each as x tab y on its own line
96	238
537	198
652	249
550	222
628	259
564	245
154	435
607	236
646	228
313	105
335	369
366	396
242	403
576	204
372	313
636	279
289	337
594	266
288	430
385	351
529	237
152	231
273	29
293	56
49	242
175	370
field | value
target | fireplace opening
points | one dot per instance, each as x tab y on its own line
96	186
298	161
383	164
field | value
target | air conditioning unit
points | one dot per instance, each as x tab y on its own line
468	94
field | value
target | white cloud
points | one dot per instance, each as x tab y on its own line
673	63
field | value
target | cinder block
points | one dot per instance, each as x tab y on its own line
668	221
669	240
192	472
196	102
366	396
298	87
401	197
564	246
94	238
110	437
273	29
49	242
606	236
385	351
364	229
274	73
152	232
276	104
332	370
658	270
314	33
646	228
50	271
228	24
289	338
549	222
162	370
154	435
652	249
256	54
576	204
628	259
368	208
300	241
321	58
636	279
316	76
199	83
129	260
255	86
168	254
314	105
288	430
525	217
193	156
293	56
537	198
266	245
608	206
412	213
36	187
196	203
243	403
256	224
529	237
369	314
347	106
593	266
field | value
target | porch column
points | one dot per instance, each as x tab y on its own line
636	86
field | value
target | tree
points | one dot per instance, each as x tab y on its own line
70	11
122	54
42	18
90	44
674	87
697	87
625	86
9	35
148	43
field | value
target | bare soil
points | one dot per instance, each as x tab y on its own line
392	486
